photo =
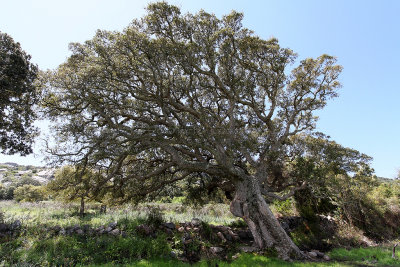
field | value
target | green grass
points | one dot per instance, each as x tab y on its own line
340	257
37	246
244	260
374	256
56	213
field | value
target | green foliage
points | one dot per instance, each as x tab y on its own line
11	252
17	97
285	208
29	193
155	216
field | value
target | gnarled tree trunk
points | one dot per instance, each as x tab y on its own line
249	204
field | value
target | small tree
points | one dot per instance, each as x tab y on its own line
190	97
70	183
17	97
29	193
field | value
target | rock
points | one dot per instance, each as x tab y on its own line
79	232
247	249
69	230
319	254
245	235
196	229
169	232
62	231
144	229
112	225
216	250
3	227
108	229
76	227
181	229
173	255
124	234
188	228
86	227
312	254
326	258
196	222
233	235
99	229
237	255
16	225
115	232
221	236
169	225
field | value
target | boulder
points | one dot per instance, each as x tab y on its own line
181	229
144	229
215	250
233	235
115	232
108	229
247	249
326	258
4	227
112	225
169	225
16	225
169	232
312	254
221	236
245	235
86	227
196	222
173	255
79	232
319	254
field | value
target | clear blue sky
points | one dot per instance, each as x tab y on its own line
363	35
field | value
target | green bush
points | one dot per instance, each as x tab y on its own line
71	250
286	208
29	193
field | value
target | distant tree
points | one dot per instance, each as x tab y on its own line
190	97
3	192
72	184
17	97
29	193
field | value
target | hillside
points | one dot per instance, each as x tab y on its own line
13	173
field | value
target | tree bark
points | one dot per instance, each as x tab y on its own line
250	205
82	209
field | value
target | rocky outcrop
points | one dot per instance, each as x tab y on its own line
11	229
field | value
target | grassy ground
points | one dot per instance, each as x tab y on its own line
56	213
340	257
36	246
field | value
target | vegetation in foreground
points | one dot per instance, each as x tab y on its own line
36	242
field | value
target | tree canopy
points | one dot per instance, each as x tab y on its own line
190	97
17	97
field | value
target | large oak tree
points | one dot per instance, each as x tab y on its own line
190	97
